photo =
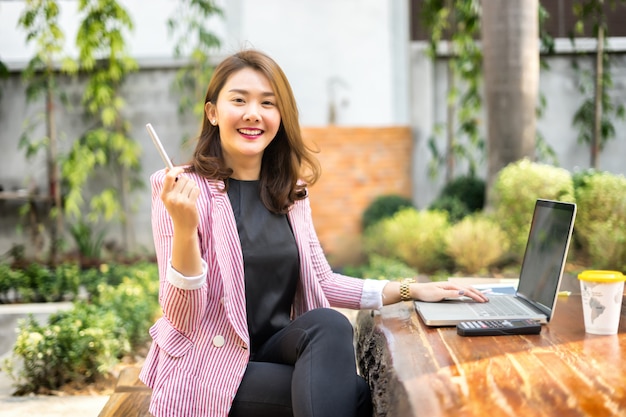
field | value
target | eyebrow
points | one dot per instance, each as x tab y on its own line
237	90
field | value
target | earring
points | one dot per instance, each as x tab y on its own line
213	122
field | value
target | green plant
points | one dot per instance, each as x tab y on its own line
607	245
414	237
383	207
69	281
459	22
594	116
454	206
103	56
88	242
461	196
476	243
601	220
40	20
84	343
515	191
585	117
34	282
134	301
9	281
379	267
40	284
195	42
76	345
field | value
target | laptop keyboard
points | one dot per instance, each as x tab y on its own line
499	306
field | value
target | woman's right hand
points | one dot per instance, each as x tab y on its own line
179	195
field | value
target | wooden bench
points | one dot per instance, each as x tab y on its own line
131	397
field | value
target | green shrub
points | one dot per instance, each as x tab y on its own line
379	267
414	237
383	207
93	338
607	246
68	277
515	190
476	243
601	219
83	343
76	345
38	283
9	281
454	206
130	303
88	242
460	197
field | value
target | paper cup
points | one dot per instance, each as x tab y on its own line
602	293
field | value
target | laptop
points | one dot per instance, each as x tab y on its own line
540	276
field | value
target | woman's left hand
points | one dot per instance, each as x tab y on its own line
439	290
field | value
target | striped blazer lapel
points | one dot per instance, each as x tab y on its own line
309	294
229	258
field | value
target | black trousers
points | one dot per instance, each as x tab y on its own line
306	370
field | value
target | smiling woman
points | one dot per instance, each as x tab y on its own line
245	287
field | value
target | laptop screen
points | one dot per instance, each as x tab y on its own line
546	252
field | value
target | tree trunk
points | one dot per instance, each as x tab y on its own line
451	105
510	36
54	184
596	138
450	132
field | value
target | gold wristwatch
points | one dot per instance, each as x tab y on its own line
405	292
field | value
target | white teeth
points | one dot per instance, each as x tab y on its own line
250	132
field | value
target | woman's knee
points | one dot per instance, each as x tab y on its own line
330	321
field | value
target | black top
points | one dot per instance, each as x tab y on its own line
270	258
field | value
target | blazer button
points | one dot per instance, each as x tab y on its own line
218	341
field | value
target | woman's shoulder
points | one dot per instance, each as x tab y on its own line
157	176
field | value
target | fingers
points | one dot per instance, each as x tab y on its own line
472	293
171	176
178	184
185	187
179	193
437	291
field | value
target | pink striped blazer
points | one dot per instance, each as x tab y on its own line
200	345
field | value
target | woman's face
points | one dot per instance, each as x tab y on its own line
248	120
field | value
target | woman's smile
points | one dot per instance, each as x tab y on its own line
250	133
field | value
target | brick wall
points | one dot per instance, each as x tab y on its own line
358	165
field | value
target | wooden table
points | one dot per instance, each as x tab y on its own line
415	370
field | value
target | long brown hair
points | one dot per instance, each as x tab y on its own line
288	165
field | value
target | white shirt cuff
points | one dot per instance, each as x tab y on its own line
185	283
372	296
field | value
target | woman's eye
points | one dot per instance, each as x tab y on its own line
268	103
238	100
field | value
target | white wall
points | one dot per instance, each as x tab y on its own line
357	46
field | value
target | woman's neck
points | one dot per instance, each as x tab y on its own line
246	175
247	170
